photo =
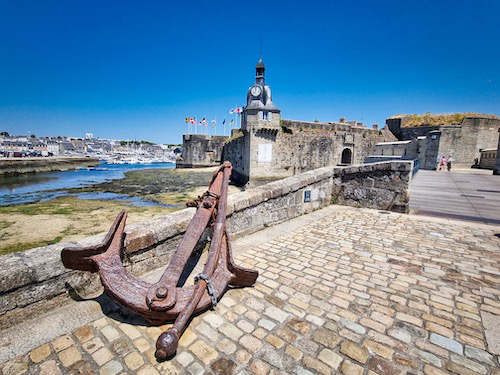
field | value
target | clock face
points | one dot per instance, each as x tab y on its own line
255	91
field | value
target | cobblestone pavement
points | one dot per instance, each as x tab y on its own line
354	292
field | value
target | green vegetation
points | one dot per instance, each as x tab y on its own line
435	119
68	218
4	224
22	246
235	135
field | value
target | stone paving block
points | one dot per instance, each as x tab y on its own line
259	367
383	367
133	361
205	352
184	359
251	343
102	356
62	342
69	356
132	332
446	343
332	359
467	363
354	351
275	341
349	368
381	350
276	314
39	354
110	333
243	356
142	344
326	338
49	368
187	338
316	365
480	355
400	334
83	334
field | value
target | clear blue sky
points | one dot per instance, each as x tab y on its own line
130	69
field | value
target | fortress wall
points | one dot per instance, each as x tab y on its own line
236	150
462	142
200	151
297	147
35	281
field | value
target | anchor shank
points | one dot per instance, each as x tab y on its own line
168	281
166	344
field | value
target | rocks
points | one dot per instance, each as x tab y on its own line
447	343
492	324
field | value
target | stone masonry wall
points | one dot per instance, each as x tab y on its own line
235	150
300	146
35	281
462	142
201	150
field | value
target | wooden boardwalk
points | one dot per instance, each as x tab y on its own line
457	195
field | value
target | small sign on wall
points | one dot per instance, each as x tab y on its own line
307	196
265	153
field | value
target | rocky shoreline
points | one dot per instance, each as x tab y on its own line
16	166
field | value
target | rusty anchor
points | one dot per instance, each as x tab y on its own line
165	301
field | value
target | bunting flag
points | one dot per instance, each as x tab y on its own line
187	120
231	122
231	111
224	122
238	110
193	120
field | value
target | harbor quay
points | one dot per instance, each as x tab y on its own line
340	290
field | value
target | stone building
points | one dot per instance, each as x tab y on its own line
462	138
268	147
200	151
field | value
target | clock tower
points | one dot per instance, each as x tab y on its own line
260	112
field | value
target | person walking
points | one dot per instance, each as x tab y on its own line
442	163
448	163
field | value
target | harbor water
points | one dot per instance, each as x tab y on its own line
27	188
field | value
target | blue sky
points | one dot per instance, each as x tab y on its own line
128	69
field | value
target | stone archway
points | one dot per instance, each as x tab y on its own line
346	156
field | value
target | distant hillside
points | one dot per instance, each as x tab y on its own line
411	120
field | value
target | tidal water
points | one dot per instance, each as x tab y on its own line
40	187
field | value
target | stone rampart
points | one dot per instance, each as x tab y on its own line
461	141
299	146
200	150
14	166
35	281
